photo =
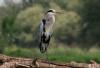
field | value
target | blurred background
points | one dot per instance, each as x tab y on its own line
76	35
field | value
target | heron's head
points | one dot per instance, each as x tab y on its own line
53	11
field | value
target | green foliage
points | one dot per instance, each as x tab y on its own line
62	3
7	25
70	22
29	18
58	54
17	52
78	25
27	23
24	25
90	14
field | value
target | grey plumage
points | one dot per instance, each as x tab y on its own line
46	29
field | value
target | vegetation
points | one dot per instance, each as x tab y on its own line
77	27
59	54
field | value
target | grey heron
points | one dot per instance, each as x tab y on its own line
46	29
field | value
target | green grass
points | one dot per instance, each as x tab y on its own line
58	54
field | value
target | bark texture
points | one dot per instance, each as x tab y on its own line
14	62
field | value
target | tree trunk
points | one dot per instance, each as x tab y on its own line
13	62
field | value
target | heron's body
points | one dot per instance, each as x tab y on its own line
46	29
49	21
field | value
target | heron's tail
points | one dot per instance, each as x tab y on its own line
42	47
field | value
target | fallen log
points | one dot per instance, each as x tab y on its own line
13	62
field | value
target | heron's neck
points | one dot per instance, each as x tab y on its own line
50	17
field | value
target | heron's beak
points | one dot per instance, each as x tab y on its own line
58	12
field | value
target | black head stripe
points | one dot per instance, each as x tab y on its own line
50	11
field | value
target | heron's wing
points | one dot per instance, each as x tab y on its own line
41	27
